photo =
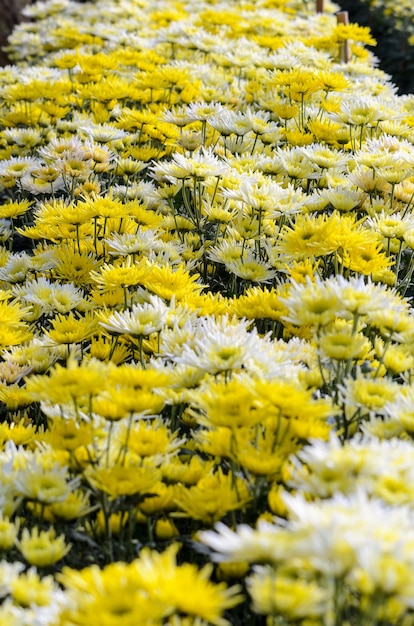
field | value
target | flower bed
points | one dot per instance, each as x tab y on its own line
206	322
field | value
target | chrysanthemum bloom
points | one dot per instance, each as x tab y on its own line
70	329
39	483
333	537
74	383
368	395
113	596
208	600
133	243
368	259
16	268
396	358
149	589
259	303
186	469
169	282
251	269
123	480
342	343
15	397
262	454
200	166
33	355
360	111
213	496
64	433
314	304
51	296
149	439
43	180
9	572
395	324
380	467
43	548
129	274
75	506
30	590
11	170
232	404
140	321
12	210
309	236
224	345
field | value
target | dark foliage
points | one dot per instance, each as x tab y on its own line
396	55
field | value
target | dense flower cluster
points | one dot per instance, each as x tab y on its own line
206	321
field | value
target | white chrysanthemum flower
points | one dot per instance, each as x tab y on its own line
274	360
16	167
124	244
251	269
358	111
16	268
231	122
341	198
202	111
221	345
43	181
102	133
286	594
401	409
200	165
140	321
50	296
66	149
267	196
244	544
44	484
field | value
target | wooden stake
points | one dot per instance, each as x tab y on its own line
343	18
320	6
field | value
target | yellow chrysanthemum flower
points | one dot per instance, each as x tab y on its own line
42	548
213	497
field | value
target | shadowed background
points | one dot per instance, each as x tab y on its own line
10	14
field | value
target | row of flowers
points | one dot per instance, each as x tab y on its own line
206	323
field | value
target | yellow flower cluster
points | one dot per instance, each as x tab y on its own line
206	283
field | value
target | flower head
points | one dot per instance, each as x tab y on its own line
42	548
